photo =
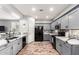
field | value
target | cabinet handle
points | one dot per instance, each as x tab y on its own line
18	43
11	47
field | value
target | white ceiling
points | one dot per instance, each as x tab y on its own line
8	12
26	9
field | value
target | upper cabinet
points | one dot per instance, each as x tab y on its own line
53	25
74	19
69	21
59	21
64	22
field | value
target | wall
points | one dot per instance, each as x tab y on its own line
7	24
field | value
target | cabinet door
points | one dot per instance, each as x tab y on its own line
74	20
15	47
64	22
6	51
53	25
75	49
19	44
66	49
59	45
47	37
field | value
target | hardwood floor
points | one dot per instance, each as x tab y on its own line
38	48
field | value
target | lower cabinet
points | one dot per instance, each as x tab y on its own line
12	48
62	47
17	46
6	51
75	50
66	49
58	46
47	37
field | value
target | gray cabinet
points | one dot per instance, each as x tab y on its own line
64	22
59	45
15	47
19	44
62	47
7	50
47	37
66	49
53	25
74	19
11	48
75	50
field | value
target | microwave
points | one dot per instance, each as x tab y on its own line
58	26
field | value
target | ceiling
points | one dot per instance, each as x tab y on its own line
41	11
8	12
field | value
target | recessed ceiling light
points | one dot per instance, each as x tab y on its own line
33	9
51	9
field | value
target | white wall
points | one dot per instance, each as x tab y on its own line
7	24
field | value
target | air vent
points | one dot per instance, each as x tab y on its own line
41	10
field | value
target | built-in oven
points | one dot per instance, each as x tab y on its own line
23	41
54	41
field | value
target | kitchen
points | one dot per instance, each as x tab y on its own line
54	25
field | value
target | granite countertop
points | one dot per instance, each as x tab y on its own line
18	37
69	41
4	42
62	38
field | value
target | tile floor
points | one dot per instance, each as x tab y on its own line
38	48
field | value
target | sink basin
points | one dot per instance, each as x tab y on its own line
13	38
73	42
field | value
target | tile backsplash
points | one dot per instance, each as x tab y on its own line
74	33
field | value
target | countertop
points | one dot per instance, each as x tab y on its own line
4	43
73	42
69	41
18	37
62	38
65	39
50	33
